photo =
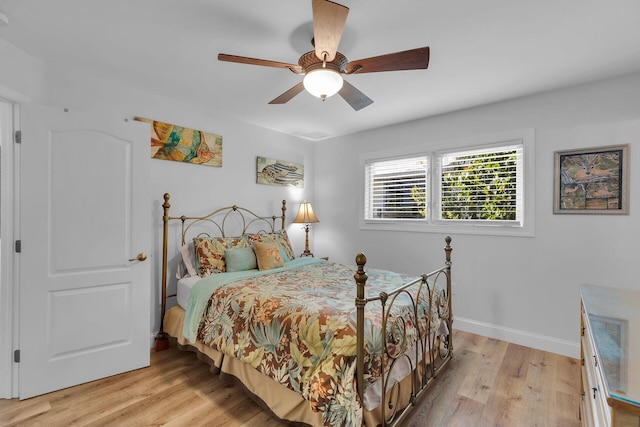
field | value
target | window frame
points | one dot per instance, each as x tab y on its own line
430	224
428	173
503	146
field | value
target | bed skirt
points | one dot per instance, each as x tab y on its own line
283	402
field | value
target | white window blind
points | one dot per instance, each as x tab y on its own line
482	185
396	188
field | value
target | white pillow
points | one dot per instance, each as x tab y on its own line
186	265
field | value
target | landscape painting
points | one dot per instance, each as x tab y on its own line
182	144
594	180
279	172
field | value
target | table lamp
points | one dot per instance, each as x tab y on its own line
306	216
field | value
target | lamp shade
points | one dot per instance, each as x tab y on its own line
322	82
305	214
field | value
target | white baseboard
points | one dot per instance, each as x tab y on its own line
528	339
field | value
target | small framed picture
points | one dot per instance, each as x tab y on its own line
278	172
592	181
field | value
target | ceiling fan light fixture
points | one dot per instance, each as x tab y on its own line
323	82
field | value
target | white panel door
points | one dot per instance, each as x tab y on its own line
84	218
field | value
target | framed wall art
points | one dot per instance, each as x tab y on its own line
181	144
592	181
278	172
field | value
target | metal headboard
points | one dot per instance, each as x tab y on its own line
211	223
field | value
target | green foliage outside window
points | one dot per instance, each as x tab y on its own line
419	196
477	187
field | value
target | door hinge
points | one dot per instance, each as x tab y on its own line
18	246
18	137
16	356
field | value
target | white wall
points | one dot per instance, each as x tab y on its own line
21	75
522	289
194	189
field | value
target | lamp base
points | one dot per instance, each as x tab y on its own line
306	253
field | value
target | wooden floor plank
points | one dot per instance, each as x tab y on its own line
480	378
14	414
542	372
487	383
506	405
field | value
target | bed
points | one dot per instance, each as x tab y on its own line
316	342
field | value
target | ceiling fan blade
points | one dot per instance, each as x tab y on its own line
408	60
328	22
263	62
286	97
354	97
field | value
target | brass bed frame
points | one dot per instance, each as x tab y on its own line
431	353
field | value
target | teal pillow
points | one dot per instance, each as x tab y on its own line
240	259
283	254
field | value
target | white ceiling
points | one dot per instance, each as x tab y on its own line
481	52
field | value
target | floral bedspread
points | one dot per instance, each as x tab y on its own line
298	326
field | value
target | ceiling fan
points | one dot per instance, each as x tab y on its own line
323	67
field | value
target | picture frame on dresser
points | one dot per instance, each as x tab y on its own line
592	181
610	360
612	334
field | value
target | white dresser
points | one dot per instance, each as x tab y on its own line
610	352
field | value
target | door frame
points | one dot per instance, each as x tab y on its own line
9	117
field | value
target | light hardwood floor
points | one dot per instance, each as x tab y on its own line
488	383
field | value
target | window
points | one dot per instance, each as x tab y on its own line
470	188
483	185
395	188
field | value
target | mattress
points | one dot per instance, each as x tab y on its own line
184	289
279	399
372	396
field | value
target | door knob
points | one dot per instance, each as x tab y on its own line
141	257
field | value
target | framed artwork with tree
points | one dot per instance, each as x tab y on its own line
592	181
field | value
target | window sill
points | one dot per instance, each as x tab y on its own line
421	227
